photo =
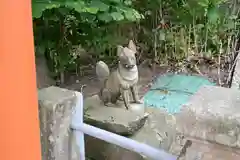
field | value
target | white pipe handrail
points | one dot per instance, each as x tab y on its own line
78	119
80	128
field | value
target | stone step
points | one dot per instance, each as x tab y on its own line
212	114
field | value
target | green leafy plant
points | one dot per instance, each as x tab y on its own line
63	25
178	28
175	30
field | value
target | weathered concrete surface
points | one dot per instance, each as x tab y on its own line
158	131
55	111
189	148
196	149
212	114
113	119
201	150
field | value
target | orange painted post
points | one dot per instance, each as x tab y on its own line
19	123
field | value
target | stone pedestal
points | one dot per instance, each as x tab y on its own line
55	111
147	125
114	119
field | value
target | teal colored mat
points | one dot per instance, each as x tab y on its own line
170	91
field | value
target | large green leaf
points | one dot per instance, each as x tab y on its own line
78	5
39	6
106	17
92	10
117	16
129	15
128	2
100	5
132	15
203	3
137	14
115	1
213	14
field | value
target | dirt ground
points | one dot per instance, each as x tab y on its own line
147	76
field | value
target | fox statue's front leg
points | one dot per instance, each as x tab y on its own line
125	97
134	92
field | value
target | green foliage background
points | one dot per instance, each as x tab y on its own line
74	33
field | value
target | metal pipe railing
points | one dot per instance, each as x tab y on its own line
77	119
80	128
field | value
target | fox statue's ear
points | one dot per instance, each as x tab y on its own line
132	46
119	50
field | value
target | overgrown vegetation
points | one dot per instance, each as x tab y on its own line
74	33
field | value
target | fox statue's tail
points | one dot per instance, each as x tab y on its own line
102	71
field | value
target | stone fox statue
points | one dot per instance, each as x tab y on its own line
122	80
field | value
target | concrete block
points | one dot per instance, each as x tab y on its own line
159	130
55	111
212	114
114	119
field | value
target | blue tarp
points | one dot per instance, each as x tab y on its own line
171	91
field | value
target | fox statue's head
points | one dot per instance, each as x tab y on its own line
127	58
